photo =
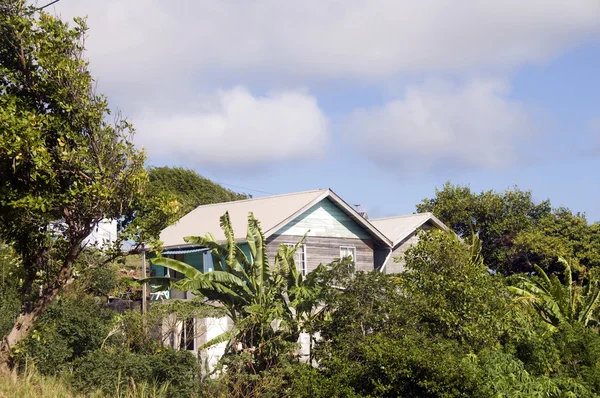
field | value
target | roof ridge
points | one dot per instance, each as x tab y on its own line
402	216
261	198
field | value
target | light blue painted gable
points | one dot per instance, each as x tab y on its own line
325	220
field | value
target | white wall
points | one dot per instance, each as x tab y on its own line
214	327
105	234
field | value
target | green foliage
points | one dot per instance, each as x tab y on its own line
111	371
557	303
136	332
560	234
32	384
10	302
100	281
515	232
444	328
496	218
452	292
69	329
189	188
269	306
64	165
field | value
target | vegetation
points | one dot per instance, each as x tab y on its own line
507	306
557	303
64	167
188	187
269	306
516	233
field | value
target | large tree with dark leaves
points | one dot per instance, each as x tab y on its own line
496	218
63	165
516	232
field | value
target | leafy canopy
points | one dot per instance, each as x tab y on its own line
516	232
188	187
558	303
64	164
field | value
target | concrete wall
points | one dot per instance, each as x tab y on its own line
213	327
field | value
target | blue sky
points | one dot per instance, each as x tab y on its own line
381	101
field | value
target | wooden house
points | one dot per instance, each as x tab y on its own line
335	230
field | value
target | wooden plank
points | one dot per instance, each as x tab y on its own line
323	250
325	220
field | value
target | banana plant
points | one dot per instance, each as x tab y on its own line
267	305
558	303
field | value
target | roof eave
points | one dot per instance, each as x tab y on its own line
373	231
431	218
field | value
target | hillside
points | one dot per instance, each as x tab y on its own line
189	187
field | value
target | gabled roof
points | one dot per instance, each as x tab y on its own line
399	228
273	212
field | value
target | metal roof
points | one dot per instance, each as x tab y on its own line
273	212
399	228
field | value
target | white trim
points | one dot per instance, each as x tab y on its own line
386	260
358	218
304	269
353	255
352	213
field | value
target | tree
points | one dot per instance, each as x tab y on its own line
496	218
268	306
557	303
452	291
443	328
63	165
188	187
559	234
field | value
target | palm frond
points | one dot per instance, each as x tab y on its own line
176	265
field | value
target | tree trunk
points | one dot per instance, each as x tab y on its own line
29	315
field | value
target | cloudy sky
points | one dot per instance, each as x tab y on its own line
382	101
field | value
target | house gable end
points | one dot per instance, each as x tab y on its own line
324	219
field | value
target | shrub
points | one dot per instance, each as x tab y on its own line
112	371
69	329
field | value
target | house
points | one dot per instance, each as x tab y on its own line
403	232
334	230
104	235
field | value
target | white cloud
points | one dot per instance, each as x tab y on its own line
440	124
133	41
153	57
236	129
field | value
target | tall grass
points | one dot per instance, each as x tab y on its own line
32	384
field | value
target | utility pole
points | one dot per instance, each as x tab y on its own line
145	285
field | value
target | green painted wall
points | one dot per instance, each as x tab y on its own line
324	220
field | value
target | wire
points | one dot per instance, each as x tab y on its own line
245	189
49	4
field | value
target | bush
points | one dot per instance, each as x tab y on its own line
68	329
112	371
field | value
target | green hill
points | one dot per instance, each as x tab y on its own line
189	187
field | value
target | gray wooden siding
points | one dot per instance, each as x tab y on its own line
323	250
324	219
395	263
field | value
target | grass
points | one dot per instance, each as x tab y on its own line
32	384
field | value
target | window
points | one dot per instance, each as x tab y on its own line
187	335
346	251
208	262
172	273
300	258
